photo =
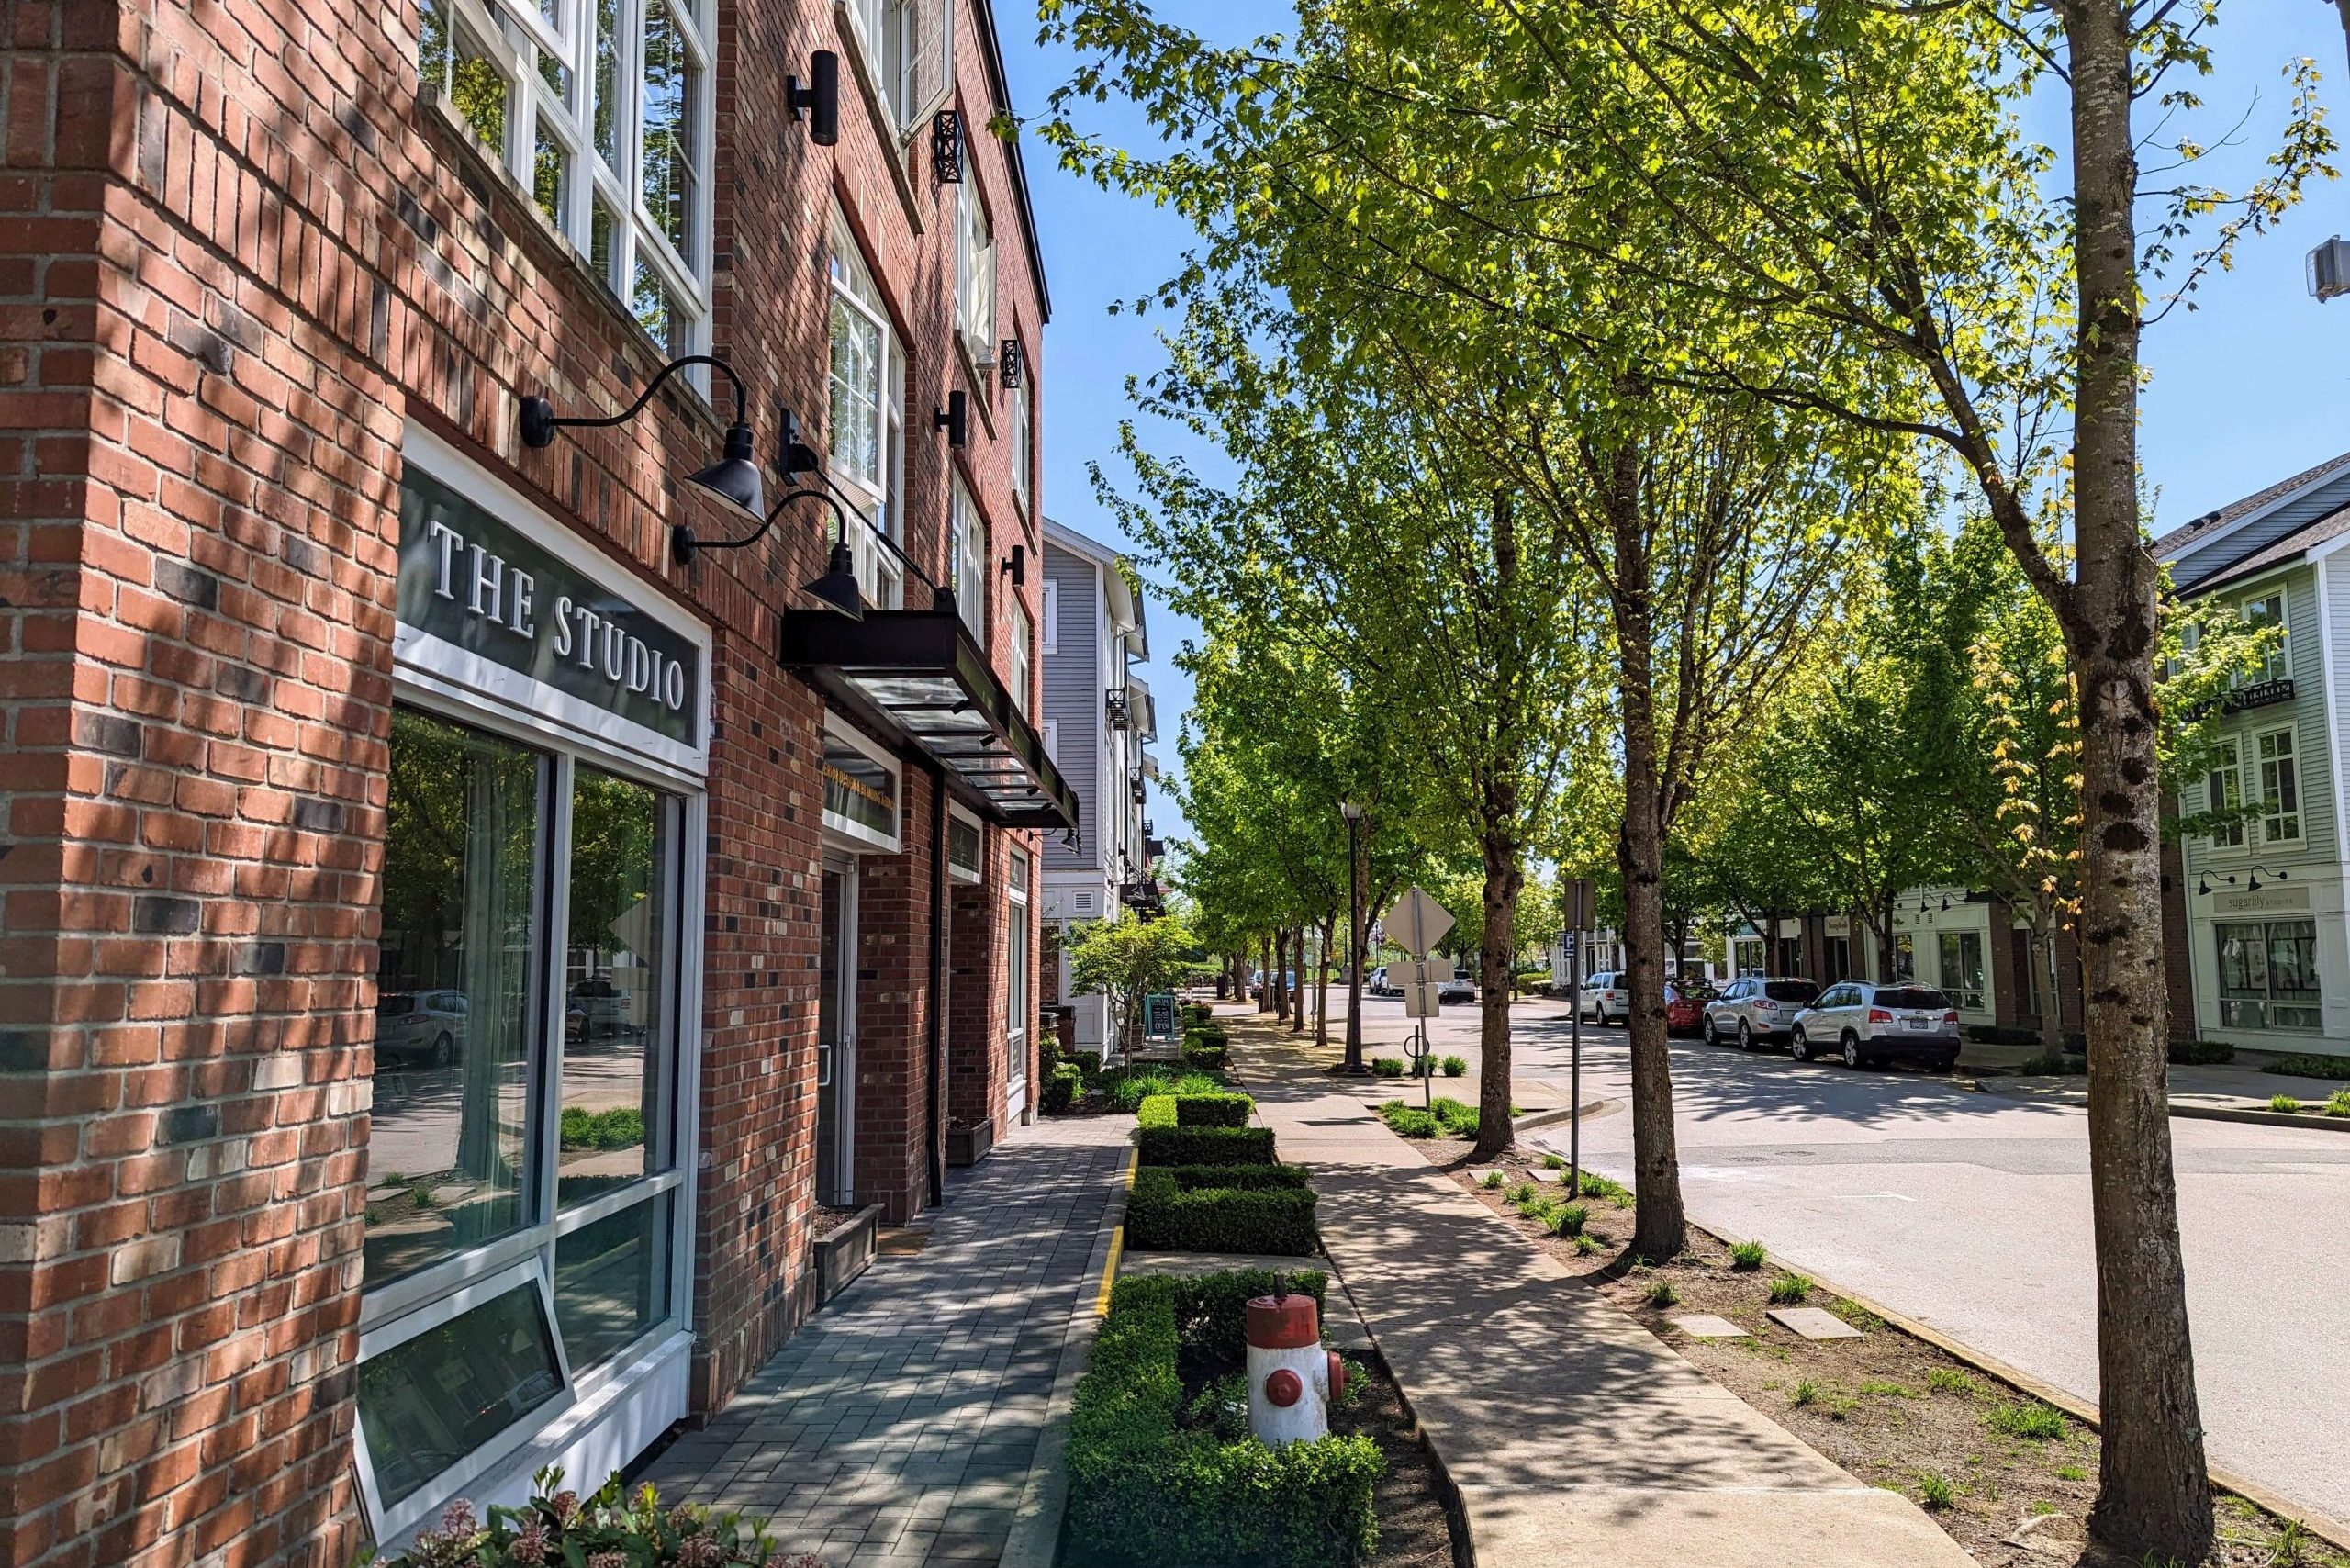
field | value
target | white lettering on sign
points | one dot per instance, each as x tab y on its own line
502	595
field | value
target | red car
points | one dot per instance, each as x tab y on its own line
1684	1006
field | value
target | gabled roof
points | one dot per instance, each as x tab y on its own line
1126	604
2262	530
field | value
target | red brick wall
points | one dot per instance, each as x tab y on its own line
238	251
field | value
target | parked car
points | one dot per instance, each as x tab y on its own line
1376	985
1460	988
1867	1025
1684	1005
1756	1009
419	1027
1606	997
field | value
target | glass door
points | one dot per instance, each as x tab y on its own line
835	1039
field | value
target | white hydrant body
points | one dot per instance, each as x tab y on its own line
1292	1380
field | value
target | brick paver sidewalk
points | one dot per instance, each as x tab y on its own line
901	1424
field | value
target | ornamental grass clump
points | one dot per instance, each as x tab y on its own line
608	1529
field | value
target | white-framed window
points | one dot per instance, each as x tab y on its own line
1961	957
908	52
2268	610
1024	657
966	570
1016	987
867	415
2223	792
2268	977
603	110
1052	742
1052	608
1021	436
974	264
2280	793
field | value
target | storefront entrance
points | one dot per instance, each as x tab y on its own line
836	1037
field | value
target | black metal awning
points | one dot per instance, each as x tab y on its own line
914	679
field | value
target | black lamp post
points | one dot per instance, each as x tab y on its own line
1353	813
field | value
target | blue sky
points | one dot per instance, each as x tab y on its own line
2251	385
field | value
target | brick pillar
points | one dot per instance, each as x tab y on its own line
975	997
892	1016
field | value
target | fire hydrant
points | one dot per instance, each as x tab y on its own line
1292	1380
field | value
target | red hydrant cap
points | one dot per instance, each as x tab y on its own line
1286	1324
1284	1388
1338	1378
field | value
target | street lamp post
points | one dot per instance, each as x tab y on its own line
1353	813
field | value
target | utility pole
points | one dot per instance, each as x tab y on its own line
1353	813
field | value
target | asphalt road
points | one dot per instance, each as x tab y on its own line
1970	1212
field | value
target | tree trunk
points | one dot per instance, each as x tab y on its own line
1322	986
1660	1224
2052	1004
1504	876
1297	996
2154	1489
1277	978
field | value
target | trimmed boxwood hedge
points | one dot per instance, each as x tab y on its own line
1214	1110
1221	1208
1143	1491
1206	1146
1201	1052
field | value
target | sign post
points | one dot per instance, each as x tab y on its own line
1578	914
1418	923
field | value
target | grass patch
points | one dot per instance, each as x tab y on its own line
1456	1119
1859	1316
2029	1419
1805	1393
1409	1121
1387	1067
1568	1219
1888	1390
2284	1103
1591	1184
1662	1293
1935	1492
1586	1244
1789	1290
1495	1182
2072	1473
1747	1257
1554	1163
1944	1380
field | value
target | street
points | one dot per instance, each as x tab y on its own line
1970	1212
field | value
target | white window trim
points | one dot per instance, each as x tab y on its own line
1023	660
1049	637
2292	757
1052	742
531	101
2227	762
974	264
878	572
2280	659
956	873
854	836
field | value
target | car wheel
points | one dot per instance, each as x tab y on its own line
444	1050
1948	1063
1799	1047
1706	1028
1851	1050
1745	1036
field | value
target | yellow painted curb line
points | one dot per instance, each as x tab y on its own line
1118	1245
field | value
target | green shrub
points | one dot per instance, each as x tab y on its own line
1129	1087
621	1128
1453	1067
1568	1219
1144	1490
1159	1110
1198	1015
1208	1307
1662	1293
1064	1088
2029	1419
1458	1120
1586	1244
2284	1103
1387	1067
1746	1256
1494	1181
2336	1104
1206	1146
1221	1208
1408	1121
1195	1083
1590	1184
2309	1066
1205	1053
2066	1065
1789	1290
1221	1109
1935	1492
2201	1053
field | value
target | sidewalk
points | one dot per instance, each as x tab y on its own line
2233	1091
1575	1436
911	1422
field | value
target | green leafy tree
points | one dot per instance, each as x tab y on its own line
1128	959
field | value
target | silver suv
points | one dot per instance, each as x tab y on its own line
1868	1025
1607	996
1755	1009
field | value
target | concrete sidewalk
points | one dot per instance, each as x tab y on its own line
2236	1090
1575	1437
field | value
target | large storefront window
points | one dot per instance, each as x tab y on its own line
526	1198
2269	974
448	1159
1962	968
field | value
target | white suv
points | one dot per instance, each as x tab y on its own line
1606	997
1868	1024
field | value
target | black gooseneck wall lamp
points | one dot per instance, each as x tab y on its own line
732	481
838	588
2254	884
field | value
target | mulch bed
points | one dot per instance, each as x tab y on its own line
1891	1410
1414	1520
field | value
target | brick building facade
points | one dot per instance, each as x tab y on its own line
448	960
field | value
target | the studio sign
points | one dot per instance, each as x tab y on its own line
471	580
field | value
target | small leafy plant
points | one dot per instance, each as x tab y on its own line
1805	1393
1945	1380
1935	1492
2072	1473
1789	1290
1662	1293
1554	1163
1454	1066
1585	1243
1568	1219
2029	1419
2284	1103
1746	1256
1494	1181
2338	1103
1387	1067
609	1526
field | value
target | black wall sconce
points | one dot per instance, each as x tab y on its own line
732	481
793	455
818	98
838	588
1015	566
1007	364
954	420
947	146
2254	884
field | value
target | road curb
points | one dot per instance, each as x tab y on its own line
2248	1116
2333	1531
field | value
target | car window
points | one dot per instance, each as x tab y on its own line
395	1006
1913	996
1695	993
1796	991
